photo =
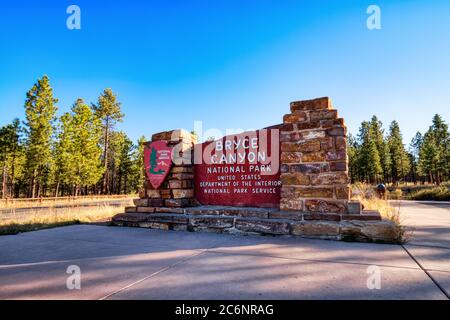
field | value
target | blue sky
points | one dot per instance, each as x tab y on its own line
231	64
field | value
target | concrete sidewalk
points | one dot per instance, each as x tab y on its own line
132	263
428	223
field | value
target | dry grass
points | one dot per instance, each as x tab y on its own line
367	196
41	219
50	202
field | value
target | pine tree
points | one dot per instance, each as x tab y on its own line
414	147
62	153
138	165
40	111
377	134
78	151
434	154
11	157
353	152
86	149
429	157
108	110
125	167
441	137
117	143
369	160
400	161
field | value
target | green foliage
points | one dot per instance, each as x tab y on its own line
376	158
108	111
12	157
40	112
367	158
71	154
437	194
77	156
400	163
434	153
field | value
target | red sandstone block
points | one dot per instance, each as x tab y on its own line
169	210
182	176
313	157
289	136
183	193
288	215
342	192
156	202
328	123
176	203
182	169
140	202
307	146
130	217
317	205
262	226
337	131
327	144
146	209
314	104
365	216
294	179
291	157
314	192
341	143
285	127
312	134
308	167
307	125
323	115
175	184
294	117
130	209
336	155
322	216
291	204
329	178
338	166
315	228
152	193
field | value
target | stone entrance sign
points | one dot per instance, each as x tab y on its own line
240	170
288	179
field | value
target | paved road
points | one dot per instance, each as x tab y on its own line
131	263
428	225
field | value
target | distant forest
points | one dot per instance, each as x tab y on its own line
79	153
377	157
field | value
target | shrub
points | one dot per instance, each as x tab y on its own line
395	194
437	194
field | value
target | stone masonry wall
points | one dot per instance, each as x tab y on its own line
178	188
314	163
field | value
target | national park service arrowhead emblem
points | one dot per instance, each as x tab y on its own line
157	161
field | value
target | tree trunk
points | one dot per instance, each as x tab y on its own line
33	184
57	189
105	157
4	181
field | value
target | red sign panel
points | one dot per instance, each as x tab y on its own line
239	170
158	161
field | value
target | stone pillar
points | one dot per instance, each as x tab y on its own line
314	162
178	188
